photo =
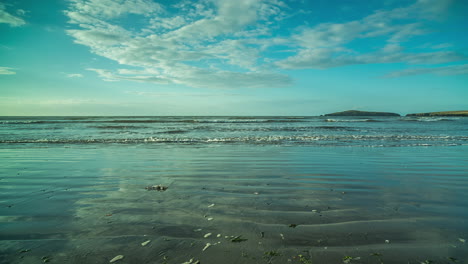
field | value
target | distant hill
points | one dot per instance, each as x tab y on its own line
361	113
445	113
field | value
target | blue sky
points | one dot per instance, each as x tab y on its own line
224	57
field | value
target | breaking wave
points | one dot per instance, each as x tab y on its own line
391	140
351	120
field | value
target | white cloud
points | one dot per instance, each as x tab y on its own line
66	101
228	79
181	49
10	19
95	33
335	57
74	75
6	71
227	17
178	94
442	46
97	37
392	48
52	102
21	12
417	58
226	44
115	8
167	23
196	77
444	71
142	77
330	44
318	58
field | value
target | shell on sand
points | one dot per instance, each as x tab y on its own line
118	257
145	243
206	246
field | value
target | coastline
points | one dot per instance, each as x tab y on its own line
443	114
356	113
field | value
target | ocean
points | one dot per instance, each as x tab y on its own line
239	190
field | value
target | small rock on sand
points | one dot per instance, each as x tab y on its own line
159	187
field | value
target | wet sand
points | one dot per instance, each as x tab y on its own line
69	204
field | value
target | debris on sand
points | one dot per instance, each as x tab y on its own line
272	253
238	239
116	258
192	261
348	259
206	246
145	243
159	188
211	205
293	225
269	255
207	235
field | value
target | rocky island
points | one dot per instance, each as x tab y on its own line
445	113
361	113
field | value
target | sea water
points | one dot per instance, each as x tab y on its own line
239	189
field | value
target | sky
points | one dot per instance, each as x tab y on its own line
226	57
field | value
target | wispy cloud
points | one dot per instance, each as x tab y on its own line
199	77
69	101
10	19
191	48
74	75
6	71
178	94
129	75
442	46
330	44
53	102
447	70
228	44
114	9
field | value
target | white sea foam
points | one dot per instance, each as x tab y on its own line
234	130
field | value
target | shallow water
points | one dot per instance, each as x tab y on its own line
310	131
87	203
361	190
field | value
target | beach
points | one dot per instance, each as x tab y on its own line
232	203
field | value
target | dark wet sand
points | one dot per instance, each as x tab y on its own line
86	205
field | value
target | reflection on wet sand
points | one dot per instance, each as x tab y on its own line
233	205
